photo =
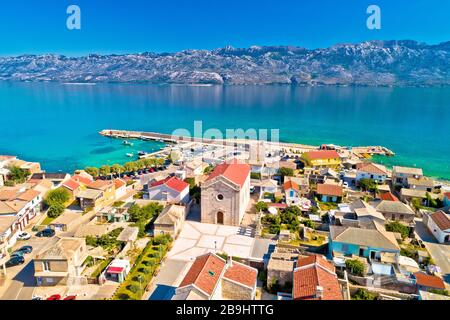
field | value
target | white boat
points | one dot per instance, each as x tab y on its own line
128	143
131	155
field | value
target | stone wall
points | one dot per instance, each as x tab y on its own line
231	290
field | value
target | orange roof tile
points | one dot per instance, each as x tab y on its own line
313	272
173	183
330	190
119	183
322	154
204	273
29	195
71	184
441	219
425	280
82	180
234	171
290	185
100	184
372	168
242	274
388	196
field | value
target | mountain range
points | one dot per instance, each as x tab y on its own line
370	63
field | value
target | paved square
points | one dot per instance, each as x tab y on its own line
198	238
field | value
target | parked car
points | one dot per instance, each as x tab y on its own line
17	253
46	233
15	261
26	249
36	298
54	297
24	236
72	297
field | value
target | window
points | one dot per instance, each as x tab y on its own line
220	197
45	265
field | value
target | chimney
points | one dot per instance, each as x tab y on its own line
319	292
230	260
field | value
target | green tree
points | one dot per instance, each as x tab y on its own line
398	227
355	267
55	210
92	171
368	185
17	174
105	170
57	197
363	294
208	169
117	169
130	167
262	206
286	172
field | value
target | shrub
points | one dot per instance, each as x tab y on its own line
396	226
255	175
355	267
261	206
363	294
286	172
124	296
57	196
133	287
55	210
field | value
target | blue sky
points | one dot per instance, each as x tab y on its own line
119	26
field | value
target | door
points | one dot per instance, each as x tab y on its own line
220	217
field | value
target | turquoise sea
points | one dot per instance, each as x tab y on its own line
58	124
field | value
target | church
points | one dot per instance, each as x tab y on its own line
226	194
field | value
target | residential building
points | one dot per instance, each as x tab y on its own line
400	175
60	262
426	282
315	279
117	270
120	187
292	193
90	199
113	215
226	194
107	187
395	210
367	243
213	278
373	171
408	195
280	269
329	192
389	196
322	159
195	168
170	220
439	225
171	189
422	184
56	178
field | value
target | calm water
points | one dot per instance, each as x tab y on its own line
58	125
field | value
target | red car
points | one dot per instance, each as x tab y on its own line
73	297
54	297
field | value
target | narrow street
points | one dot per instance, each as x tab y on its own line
439	252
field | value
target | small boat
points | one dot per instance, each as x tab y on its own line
128	143
142	153
131	155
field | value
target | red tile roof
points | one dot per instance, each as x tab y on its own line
330	190
441	219
119	183
322	154
313	272
29	195
425	280
100	184
242	274
82	180
372	168
290	185
204	273
71	184
388	196
234	171
173	183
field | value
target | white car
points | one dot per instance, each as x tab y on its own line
24	236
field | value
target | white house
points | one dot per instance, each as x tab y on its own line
171	189
439	225
121	188
400	175
292	192
371	171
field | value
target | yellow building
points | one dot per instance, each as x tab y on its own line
322	159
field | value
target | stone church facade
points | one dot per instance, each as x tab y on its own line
226	194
